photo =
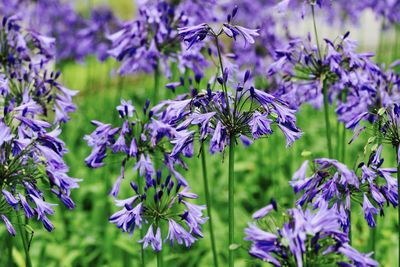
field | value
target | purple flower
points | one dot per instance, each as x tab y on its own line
264	211
152	205
194	34
310	233
154	240
5	133
126	108
260	125
10	227
178	233
369	211
12	201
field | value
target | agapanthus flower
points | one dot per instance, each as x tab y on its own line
248	112
161	203
333	182
93	34
342	11
305	70
197	33
32	107
140	138
257	14
150	42
306	237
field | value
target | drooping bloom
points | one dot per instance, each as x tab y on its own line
161	202
31	152
247	112
149	42
310	234
335	183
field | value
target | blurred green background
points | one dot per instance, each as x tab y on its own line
84	237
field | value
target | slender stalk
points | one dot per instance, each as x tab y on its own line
221	65
343	148
156	84
326	112
9	252
398	193
343	156
159	259
315	31
142	259
231	197
24	242
373	238
324	89
338	139
350	237
208	202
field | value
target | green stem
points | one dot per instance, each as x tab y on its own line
24	242
343	156
142	259
156	84
338	139
326	112
373	238
208	202
350	239
159	259
9	246
398	193
221	65
231	197
315	31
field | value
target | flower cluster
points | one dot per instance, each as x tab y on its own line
247	114
151	41
342	10
31	153
305	71
143	140
161	201
334	183
197	33
307	238
60	20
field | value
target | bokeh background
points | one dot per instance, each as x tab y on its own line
84	237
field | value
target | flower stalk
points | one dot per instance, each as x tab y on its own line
398	193
231	197
159	259
24	242
208	202
156	84
326	113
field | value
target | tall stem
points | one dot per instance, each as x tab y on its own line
159	259
326	112
349	216
24	242
231	197
315	31
343	156
9	252
142	259
156	84
373	237
221	65
208	202
398	193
